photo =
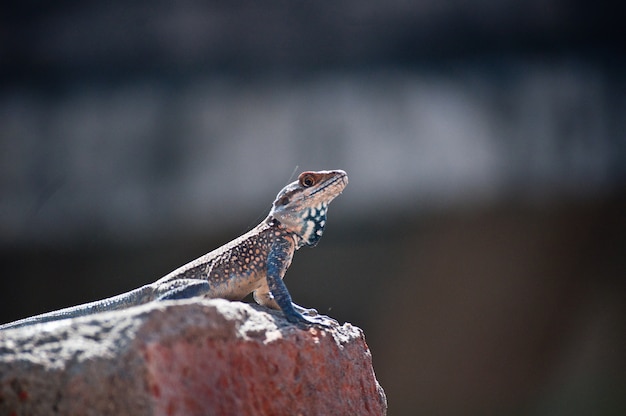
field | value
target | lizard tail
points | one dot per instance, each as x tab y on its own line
138	296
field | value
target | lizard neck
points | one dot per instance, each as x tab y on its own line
277	228
306	228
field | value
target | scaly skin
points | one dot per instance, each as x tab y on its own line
254	263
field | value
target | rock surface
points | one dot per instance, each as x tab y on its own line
209	357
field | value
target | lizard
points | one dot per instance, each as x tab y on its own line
255	262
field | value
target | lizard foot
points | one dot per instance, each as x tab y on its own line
305	311
319	320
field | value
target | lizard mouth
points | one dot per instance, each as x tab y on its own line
335	185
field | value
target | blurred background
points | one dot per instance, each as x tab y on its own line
480	244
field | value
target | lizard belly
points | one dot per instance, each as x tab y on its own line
236	286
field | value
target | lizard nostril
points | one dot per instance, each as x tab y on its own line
283	201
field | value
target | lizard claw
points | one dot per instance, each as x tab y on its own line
318	320
305	311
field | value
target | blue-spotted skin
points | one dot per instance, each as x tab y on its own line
313	223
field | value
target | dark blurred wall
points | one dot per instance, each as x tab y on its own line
481	242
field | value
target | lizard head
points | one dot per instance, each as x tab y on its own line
301	206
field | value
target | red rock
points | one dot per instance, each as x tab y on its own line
210	357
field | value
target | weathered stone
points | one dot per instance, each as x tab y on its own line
209	357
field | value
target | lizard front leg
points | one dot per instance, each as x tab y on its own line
276	295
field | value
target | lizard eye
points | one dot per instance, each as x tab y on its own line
307	180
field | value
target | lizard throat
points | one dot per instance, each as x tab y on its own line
312	223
